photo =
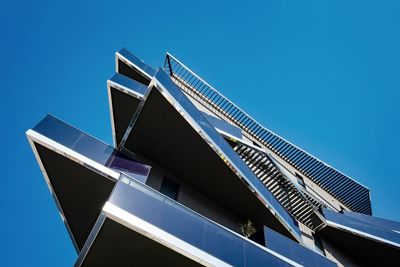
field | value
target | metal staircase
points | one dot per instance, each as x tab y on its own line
349	192
302	205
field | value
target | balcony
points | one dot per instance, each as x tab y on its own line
189	146
380	222
80	172
130	66
127	99
292	250
124	96
140	226
375	244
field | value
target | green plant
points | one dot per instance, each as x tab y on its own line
247	228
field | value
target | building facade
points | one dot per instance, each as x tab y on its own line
193	180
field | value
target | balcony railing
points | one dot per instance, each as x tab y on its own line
136	62
158	210
362	227
125	83
341	186
291	196
290	249
90	147
380	222
231	158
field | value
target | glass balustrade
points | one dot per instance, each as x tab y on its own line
224	126
153	207
380	222
135	60
366	227
90	147
225	148
290	249
131	84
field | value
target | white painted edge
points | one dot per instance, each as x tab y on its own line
125	89
142	227
52	192
71	154
125	60
35	137
160	87
206	259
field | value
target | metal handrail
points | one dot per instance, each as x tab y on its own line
304	162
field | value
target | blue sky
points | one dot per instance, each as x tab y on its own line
322	74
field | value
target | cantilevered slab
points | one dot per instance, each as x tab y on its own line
124	95
117	245
368	244
80	172
170	130
129	65
139	227
125	89
380	222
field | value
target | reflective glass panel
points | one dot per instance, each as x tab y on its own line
181	222
129	83
89	146
362	226
223	146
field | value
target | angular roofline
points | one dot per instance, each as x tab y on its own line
261	124
278	136
155	82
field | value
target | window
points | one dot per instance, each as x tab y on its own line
169	188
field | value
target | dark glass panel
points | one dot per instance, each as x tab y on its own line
170	188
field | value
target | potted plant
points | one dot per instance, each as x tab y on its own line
247	228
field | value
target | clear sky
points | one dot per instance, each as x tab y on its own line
322	74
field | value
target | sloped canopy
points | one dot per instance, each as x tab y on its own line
170	130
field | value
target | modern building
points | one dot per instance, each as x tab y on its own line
193	180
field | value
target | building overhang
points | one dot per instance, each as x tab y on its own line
169	129
124	96
118	245
368	244
131	66
140	226
366	252
80	172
